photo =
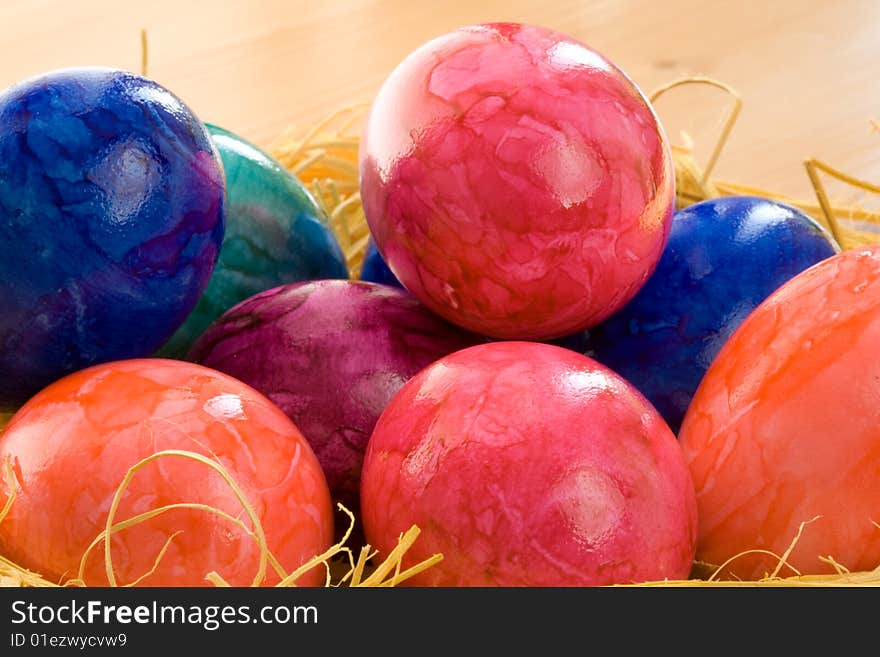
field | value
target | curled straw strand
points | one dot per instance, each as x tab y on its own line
701	178
841	577
110	528
13	575
10	573
852	227
390	571
832	215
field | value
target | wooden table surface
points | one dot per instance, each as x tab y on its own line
807	71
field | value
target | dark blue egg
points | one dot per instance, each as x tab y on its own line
723	258
111	219
374	268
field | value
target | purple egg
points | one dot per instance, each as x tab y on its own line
331	354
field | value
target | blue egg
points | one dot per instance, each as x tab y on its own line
276	234
111	219
723	258
374	268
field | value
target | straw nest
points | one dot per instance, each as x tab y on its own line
325	159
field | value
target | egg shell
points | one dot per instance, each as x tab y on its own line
516	181
111	219
275	234
527	464
71	445
784	428
375	269
330	354
724	257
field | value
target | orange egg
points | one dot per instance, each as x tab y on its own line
72	444
785	427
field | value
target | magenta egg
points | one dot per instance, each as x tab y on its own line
330	354
527	464
516	181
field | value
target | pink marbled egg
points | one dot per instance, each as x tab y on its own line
516	181
527	464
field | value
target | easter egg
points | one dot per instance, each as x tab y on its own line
724	257
275	234
330	354
111	219
72	444
516	181
374	268
527	464
783	429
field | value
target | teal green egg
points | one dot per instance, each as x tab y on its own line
275	234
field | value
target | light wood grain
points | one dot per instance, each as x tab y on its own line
807	71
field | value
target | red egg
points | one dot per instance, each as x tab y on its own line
516	181
71	445
785	427
527	464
